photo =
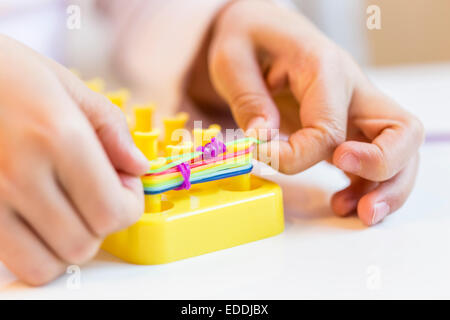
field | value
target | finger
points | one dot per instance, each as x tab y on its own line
237	77
389	195
93	185
381	159
108	121
112	129
324	102
346	201
23	253
395	141
45	207
277	78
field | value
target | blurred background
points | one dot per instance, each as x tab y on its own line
412	31
409	51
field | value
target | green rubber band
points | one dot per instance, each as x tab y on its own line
205	172
189	156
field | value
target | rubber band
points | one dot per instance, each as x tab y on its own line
218	176
212	149
151	183
186	174
213	161
199	163
177	159
211	167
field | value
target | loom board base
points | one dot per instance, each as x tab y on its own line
208	217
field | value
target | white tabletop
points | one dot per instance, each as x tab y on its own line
318	255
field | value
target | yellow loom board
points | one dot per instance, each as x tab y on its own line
210	216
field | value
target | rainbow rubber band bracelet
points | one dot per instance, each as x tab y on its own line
211	162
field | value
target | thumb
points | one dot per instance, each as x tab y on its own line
386	155
109	123
237	77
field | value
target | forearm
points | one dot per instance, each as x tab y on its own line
155	48
199	87
157	43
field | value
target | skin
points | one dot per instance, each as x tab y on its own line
61	143
257	50
69	171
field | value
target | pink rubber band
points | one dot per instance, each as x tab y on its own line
199	162
210	151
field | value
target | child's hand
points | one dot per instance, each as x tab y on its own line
69	171
257	49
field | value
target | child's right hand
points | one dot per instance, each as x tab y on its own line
258	49
69	171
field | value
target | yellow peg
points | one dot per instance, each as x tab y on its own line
157	163
172	124
203	136
239	183
143	117
198	137
153	202
96	84
210	133
179	149
119	97
147	142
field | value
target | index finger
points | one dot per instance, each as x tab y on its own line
323	103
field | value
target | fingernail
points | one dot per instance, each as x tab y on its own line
380	211
139	156
255	128
350	163
251	133
130	182
257	123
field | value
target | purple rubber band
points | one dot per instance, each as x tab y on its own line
185	170
212	149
